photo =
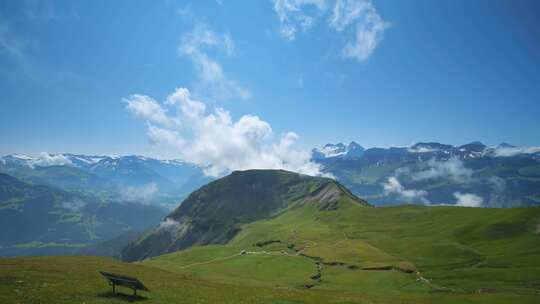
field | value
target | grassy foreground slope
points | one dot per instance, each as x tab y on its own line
76	280
406	254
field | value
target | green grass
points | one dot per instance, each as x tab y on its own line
406	254
462	255
76	280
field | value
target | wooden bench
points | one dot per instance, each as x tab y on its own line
125	281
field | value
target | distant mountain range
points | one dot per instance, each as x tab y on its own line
53	203
42	220
433	173
73	204
424	150
125	178
426	173
339	150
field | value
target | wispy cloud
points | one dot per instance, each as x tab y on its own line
213	140
468	200
394	186
357	20
10	44
212	82
369	33
20	47
452	169
141	194
73	205
169	226
293	14
513	151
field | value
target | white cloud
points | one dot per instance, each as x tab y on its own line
453	169
369	32
513	151
45	159
393	186
73	205
147	107
367	25
468	200
169	225
498	184
212	80
346	12
159	136
212	139
292	15
422	150
141	194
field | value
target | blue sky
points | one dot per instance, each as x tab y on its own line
447	71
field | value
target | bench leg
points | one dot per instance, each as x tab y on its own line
113	289
134	292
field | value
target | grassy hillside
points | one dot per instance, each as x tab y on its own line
389	255
381	255
214	213
76	280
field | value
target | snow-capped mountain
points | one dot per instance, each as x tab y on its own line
431	172
352	150
131	178
422	151
47	159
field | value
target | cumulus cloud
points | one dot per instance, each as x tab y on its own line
168	225
394	186
513	151
140	194
468	200
144	106
212	81
213	140
45	159
453	169
358	20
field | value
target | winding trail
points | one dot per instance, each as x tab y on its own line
211	261
319	262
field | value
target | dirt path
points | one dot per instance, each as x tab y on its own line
211	261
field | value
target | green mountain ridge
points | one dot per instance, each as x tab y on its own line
214	213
